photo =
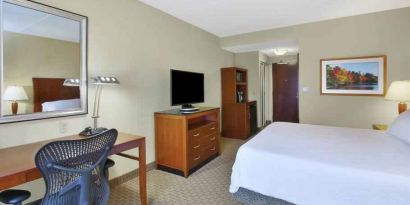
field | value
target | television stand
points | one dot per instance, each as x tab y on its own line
186	142
188	108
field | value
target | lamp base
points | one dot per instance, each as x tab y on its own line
14	107
402	107
89	132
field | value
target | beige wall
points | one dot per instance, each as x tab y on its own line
27	56
139	45
250	61
373	34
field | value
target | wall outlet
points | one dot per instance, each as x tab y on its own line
62	126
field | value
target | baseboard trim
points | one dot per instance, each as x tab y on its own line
129	176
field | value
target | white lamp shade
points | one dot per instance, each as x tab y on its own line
14	93
399	91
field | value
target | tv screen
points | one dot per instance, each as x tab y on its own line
186	87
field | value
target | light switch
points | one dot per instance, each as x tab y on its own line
306	89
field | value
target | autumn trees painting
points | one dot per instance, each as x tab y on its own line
354	76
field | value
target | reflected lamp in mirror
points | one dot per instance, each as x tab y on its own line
399	91
73	82
14	94
99	81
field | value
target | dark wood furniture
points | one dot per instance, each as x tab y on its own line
235	114
285	92
185	142
52	89
253	117
18	166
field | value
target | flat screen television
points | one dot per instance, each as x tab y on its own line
187	88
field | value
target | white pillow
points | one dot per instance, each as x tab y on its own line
401	127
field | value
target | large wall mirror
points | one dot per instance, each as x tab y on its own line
43	58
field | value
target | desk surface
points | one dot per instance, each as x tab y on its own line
17	163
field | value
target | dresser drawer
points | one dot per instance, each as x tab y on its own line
205	141
197	134
209	150
195	157
195	146
212	128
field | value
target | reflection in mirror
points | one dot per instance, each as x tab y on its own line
40	51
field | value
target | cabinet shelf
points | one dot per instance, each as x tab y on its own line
235	120
200	124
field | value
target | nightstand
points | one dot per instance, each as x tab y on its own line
380	127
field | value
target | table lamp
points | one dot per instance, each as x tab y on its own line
14	94
99	81
399	91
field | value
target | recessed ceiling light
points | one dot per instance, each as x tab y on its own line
280	52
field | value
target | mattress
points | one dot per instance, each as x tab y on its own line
320	165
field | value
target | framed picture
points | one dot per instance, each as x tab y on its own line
354	76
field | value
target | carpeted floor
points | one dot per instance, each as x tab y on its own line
208	185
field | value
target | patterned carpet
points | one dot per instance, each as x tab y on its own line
208	185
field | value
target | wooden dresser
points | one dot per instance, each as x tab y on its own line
186	142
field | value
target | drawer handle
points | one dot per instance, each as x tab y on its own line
213	138
199	157
212	128
196	147
213	149
196	135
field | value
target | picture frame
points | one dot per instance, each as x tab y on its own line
356	76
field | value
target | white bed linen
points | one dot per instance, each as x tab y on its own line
59	105
319	165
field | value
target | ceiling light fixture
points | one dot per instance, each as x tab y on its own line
280	52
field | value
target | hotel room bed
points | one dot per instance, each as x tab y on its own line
320	165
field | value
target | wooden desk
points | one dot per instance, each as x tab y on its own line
17	164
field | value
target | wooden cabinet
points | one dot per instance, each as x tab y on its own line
186	142
235	113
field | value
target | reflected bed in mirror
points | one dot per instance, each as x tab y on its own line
42	47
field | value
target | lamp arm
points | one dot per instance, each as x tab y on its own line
96	110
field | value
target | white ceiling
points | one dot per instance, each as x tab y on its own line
32	22
231	17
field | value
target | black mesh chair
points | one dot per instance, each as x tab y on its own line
73	170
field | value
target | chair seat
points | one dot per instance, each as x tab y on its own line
14	196
109	163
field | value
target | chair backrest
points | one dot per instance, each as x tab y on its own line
73	170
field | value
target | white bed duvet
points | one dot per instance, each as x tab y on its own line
319	165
